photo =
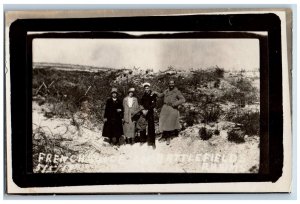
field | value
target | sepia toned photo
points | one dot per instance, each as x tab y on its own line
146	105
138	101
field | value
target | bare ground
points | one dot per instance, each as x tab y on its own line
186	153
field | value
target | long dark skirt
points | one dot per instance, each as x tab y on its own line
112	129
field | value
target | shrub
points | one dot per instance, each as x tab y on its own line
243	92
244	85
202	77
205	134
217	132
254	169
219	72
249	121
211	112
236	136
44	142
190	118
217	83
68	87
241	98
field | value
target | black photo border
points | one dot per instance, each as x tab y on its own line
204	26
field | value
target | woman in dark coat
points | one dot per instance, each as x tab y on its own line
113	118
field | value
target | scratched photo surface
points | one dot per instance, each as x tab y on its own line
145	105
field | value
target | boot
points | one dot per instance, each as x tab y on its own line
168	137
136	139
168	141
153	146
114	140
176	133
131	142
164	135
142	136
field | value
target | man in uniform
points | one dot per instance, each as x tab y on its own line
148	103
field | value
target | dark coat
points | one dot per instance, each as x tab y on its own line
148	101
113	126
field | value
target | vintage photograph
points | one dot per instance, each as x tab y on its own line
146	105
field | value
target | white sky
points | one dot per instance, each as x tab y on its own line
158	54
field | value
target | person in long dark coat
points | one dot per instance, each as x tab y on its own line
113	118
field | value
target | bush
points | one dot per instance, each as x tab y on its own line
217	83
217	132
244	85
249	121
236	136
44	142
203	77
190	118
211	112
205	134
68	87
219	72
254	169
243	92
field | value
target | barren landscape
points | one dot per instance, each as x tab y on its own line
220	120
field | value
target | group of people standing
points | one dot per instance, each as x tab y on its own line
134	119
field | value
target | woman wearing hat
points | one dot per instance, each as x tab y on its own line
131	107
113	118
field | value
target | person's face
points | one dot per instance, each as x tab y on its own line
147	89
130	94
84	104
114	95
171	84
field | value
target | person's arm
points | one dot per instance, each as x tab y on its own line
122	109
153	105
158	94
142	103
143	109
124	102
136	107
180	100
106	111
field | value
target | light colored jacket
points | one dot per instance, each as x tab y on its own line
169	115
172	97
130	111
